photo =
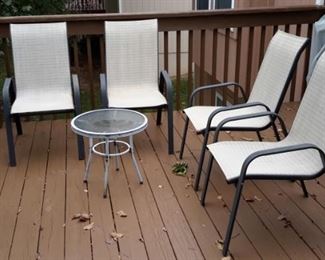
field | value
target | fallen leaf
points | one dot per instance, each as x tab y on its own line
282	217
314	196
141	240
228	132
109	241
287	224
19	210
247	139
160	186
85	190
76	216
280	130
189	184
250	200
203	225
122	214
38	256
257	198
90	226
116	235
84	217
180	168
219	244
63	225
219	197
164	229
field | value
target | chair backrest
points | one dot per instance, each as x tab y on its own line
41	58
276	71
132	53
309	123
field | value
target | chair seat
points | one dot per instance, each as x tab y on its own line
135	97
42	102
231	156
199	115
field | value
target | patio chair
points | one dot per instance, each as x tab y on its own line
267	94
42	82
131	79
299	156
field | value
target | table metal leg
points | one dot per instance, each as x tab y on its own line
90	152
106	168
134	160
116	157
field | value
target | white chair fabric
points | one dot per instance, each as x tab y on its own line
308	127
267	89
42	70
132	64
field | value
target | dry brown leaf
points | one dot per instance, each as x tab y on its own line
85	190
109	241
282	217
228	132
257	198
116	235
63	225
226	258
38	256
84	217
76	216
314	196
219	244
249	199
164	229
219	197
247	139
122	214
19	210
90	226
160	186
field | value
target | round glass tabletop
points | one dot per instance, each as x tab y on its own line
109	123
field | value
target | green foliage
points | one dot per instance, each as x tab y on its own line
31	7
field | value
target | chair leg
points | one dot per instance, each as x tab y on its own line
206	181
202	154
10	141
18	125
276	133
232	218
170	130
304	189
81	148
184	138
159	110
259	136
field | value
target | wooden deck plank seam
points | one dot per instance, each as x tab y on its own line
22	191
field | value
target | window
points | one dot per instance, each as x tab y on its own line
214	4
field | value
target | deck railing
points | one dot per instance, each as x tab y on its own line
223	45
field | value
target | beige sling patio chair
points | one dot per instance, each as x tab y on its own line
299	156
42	82
267	94
131	79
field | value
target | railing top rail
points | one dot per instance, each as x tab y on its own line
93	23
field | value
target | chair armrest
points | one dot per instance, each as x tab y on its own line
164	78
215	86
76	93
8	95
103	90
285	149
234	107
255	115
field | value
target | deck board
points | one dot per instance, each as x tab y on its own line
165	219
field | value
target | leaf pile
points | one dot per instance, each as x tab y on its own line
180	168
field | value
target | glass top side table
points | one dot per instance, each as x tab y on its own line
109	125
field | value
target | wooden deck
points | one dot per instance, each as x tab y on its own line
164	218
